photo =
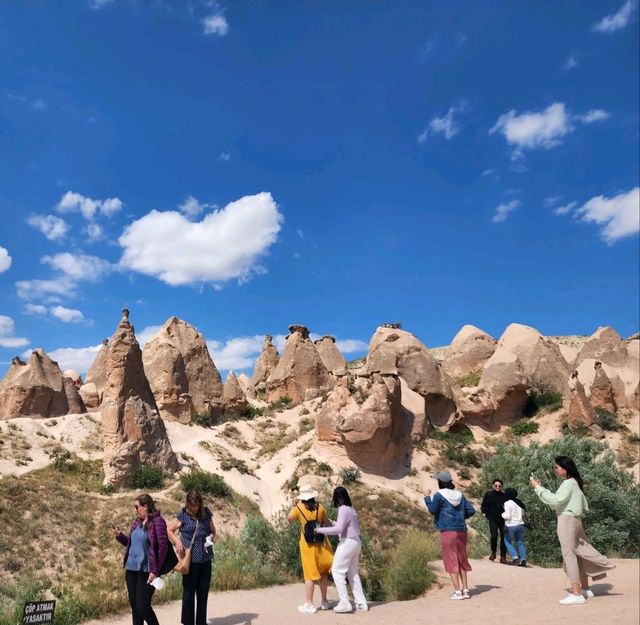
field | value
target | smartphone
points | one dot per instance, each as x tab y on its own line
533	477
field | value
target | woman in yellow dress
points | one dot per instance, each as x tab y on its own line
316	557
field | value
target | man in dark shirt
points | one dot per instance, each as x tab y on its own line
492	508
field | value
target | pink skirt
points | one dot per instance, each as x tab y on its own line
453	546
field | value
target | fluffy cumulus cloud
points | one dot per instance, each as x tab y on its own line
78	358
543	130
54	228
35	309
351	346
6	334
227	244
5	260
52	290
146	334
619	215
72	202
565	208
68	315
445	125
618	20
503	210
191	207
215	24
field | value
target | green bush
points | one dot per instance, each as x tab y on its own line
524	427
612	523
260	534
458	435
470	379
408	574
350	475
287	550
542	401
608	420
147	477
205	419
251	412
207	483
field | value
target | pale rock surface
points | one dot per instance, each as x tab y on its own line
247	386
415	405
38	389
266	363
569	352
587	373
605	345
182	375
90	396
601	395
97	373
300	374
581	412
74	375
375	433
330	355
134	433
397	352
233	397
469	351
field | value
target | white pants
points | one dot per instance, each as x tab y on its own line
346	564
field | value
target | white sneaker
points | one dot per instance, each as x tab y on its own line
343	607
587	593
307	608
456	596
465	593
572	599
362	607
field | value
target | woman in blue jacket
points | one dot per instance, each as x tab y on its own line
450	509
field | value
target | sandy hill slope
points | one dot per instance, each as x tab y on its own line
499	594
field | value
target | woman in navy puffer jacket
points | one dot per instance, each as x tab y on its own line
450	509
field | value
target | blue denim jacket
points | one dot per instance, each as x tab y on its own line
447	517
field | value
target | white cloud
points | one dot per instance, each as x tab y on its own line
349	346
618	20
567	208
68	315
6	334
94	232
78	266
98	4
237	353
51	226
594	115
224	156
544	130
191	207
49	290
571	61
503	210
443	125
74	202
145	335
552	200
39	105
78	358
619	215
35	309
227	244
5	260
215	24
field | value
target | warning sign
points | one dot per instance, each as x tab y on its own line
38	612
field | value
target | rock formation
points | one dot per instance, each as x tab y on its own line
247	386
581	413
602	390
395	351
134	433
606	346
38	389
330	355
233	397
265	364
371	424
469	351
97	374
300	373
181	373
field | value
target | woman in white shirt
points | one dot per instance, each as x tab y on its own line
513	517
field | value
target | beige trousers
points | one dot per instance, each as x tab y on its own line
579	556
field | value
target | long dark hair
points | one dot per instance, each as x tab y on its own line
341	497
448	485
570	467
310	504
146	500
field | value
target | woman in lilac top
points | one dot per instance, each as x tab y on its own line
346	558
146	549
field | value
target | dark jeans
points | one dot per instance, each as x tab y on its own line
195	588
140	594
495	527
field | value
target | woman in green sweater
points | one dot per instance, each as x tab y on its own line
581	559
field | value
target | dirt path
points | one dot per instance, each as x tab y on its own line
500	594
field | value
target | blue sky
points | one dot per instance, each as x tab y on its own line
339	164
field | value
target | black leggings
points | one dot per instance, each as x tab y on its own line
195	586
496	527
140	594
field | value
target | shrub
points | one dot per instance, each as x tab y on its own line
147	477
260	534
251	412
459	435
409	575
524	427
205	419
207	483
62	460
306	425
612	524
542	401
350	475
470	379
608	420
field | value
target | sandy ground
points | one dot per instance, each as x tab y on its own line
499	594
